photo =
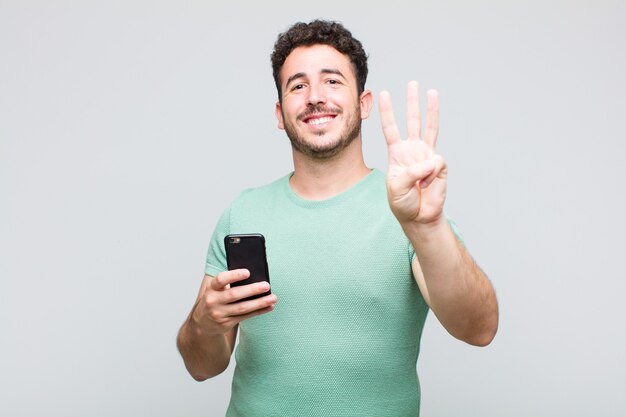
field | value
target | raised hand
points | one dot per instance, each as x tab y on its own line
416	176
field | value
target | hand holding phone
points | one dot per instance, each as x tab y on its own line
248	251
218	308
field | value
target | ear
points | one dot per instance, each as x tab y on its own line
279	116
366	101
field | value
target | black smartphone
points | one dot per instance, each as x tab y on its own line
248	251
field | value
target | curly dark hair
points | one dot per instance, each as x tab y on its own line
320	32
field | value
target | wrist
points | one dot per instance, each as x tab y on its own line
425	231
196	326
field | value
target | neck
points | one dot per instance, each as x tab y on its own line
315	179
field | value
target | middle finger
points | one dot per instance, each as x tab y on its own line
413	118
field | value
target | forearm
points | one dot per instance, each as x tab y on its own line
460	294
205	355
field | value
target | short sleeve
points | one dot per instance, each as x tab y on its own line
216	255
454	228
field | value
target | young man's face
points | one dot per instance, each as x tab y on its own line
321	110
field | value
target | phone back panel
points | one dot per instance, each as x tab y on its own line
247	251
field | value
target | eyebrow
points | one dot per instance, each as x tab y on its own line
322	71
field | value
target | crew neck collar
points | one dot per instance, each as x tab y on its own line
297	199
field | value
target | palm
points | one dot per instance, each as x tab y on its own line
413	162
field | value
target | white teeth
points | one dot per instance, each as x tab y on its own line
320	120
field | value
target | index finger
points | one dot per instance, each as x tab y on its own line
387	120
228	277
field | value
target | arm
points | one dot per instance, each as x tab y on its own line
457	290
453	285
207	338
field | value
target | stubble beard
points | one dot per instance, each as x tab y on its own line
323	151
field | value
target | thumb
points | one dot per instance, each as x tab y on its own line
404	182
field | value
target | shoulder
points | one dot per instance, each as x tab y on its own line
379	179
260	193
254	202
374	186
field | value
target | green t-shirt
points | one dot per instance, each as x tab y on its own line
344	337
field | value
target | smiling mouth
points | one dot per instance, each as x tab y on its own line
315	121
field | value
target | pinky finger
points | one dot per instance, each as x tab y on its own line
254	313
440	171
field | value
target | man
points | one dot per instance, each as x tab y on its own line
355	257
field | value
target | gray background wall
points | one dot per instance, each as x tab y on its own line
127	126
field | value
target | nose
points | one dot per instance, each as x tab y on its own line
317	94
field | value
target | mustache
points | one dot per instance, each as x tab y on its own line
318	109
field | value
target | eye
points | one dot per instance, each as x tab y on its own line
297	87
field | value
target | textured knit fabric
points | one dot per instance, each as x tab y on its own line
344	337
